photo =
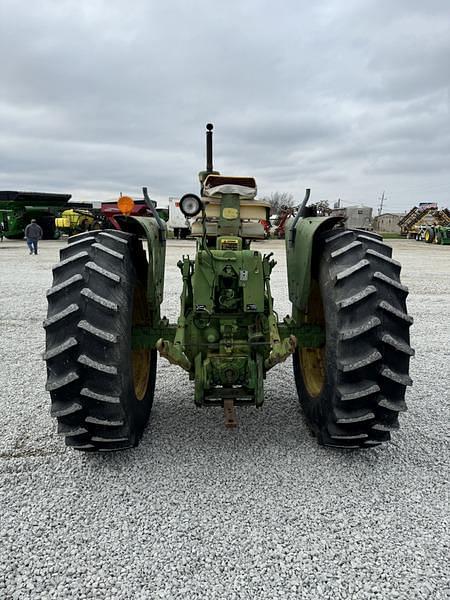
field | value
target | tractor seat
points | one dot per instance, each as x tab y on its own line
217	185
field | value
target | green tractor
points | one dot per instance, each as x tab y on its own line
348	334
438	234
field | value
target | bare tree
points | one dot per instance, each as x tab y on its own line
278	200
322	208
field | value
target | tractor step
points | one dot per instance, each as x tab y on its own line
229	414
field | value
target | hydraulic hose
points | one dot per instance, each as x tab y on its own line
300	211
151	207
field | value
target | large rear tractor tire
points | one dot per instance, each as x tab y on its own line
353	389
101	389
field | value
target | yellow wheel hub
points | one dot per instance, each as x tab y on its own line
312	360
140	358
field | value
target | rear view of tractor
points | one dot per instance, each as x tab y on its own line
437	234
348	333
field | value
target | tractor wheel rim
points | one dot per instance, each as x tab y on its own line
140	358
312	365
312	360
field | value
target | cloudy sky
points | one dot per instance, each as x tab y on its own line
348	97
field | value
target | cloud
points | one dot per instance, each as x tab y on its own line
348	98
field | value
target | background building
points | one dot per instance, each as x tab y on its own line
358	217
388	222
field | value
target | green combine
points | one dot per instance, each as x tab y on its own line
18	208
348	335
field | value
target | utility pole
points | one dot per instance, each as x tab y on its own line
380	208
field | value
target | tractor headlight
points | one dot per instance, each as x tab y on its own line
190	205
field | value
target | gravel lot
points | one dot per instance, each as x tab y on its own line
197	511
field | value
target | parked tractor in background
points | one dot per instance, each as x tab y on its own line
109	212
84	217
279	222
76	220
437	234
348	334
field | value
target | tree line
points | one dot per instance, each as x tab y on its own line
280	201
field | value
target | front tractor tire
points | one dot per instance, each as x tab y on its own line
101	389
353	388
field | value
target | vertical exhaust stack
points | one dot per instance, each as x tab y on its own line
209	157
209	148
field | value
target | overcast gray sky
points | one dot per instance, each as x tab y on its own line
348	97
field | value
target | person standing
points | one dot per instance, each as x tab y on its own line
33	233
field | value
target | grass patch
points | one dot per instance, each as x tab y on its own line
391	236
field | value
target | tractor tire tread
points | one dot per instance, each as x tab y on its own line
87	323
70	259
107	250
356	298
60	287
366	302
368	234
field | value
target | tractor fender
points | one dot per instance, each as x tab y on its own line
148	228
299	254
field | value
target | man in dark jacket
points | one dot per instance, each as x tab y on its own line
33	233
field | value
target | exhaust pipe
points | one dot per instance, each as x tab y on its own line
209	148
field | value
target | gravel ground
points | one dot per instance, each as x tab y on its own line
197	511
